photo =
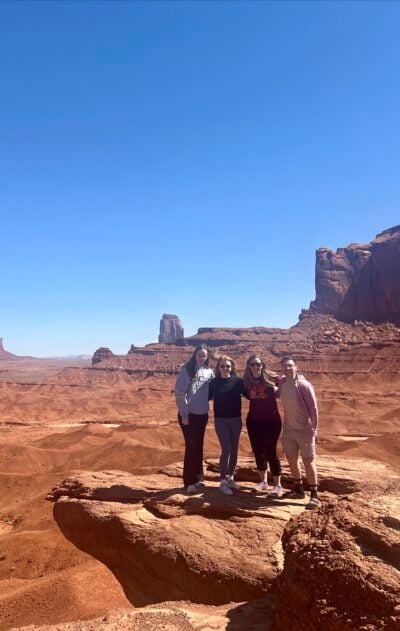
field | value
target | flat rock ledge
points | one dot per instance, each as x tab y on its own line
166	546
163	544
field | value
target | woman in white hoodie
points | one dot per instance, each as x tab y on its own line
191	393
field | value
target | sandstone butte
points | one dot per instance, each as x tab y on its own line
118	545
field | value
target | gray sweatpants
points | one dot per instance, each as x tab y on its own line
228	432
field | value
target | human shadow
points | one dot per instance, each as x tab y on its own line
211	503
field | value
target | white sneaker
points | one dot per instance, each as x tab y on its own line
261	486
224	488
191	489
232	484
276	492
200	485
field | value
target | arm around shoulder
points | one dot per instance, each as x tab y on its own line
211	389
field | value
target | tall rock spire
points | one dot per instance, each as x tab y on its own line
170	328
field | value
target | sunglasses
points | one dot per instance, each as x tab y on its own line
253	364
225	366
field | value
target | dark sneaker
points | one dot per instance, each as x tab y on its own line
294	495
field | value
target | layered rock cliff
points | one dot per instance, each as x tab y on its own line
360	281
170	329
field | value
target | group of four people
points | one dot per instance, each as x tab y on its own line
196	385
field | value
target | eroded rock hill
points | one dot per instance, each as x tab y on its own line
320	343
360	281
101	354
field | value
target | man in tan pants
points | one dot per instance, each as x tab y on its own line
299	430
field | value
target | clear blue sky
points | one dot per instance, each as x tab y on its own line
186	157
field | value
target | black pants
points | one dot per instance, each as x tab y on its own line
263	437
194	440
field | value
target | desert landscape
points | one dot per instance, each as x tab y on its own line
97	532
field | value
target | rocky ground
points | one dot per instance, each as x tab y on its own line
128	548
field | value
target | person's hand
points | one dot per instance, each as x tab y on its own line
310	432
185	420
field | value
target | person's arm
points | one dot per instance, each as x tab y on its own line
278	391
311	402
211	390
243	390
181	390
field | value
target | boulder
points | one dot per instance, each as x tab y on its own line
341	568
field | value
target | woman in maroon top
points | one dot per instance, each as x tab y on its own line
263	422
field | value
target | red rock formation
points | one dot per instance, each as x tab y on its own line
341	569
170	329
163	545
361	281
5	354
101	354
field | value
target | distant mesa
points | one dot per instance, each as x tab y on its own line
101	354
170	329
360	281
5	354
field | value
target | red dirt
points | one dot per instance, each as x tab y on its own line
46	580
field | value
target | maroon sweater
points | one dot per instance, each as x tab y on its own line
263	405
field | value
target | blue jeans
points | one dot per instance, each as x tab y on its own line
228	432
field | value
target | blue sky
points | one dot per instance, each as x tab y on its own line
186	157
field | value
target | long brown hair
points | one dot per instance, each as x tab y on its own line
191	364
267	377
225	358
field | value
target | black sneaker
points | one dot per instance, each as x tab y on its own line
294	495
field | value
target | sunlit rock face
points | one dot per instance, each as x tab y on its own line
170	329
360	281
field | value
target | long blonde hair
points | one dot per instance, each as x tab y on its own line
225	358
267	377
